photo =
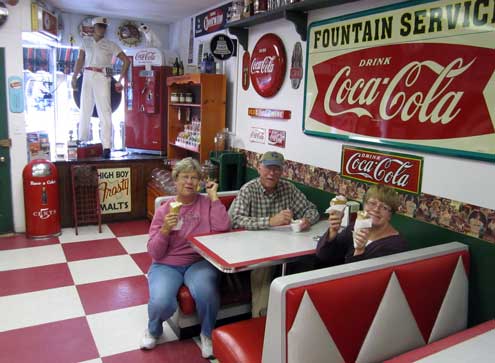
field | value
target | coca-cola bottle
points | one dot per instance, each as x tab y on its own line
204	63
211	64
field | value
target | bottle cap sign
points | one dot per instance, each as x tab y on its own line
268	64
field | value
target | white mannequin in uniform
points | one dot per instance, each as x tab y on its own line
96	55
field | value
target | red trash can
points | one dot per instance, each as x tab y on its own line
41	200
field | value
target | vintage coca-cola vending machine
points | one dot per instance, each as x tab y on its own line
146	103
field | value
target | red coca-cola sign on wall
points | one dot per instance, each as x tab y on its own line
398	171
399	76
392	92
268	64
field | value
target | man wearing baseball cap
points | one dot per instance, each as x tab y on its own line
265	202
95	56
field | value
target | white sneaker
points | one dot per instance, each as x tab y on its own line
206	347
148	341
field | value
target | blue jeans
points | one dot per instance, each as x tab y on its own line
164	282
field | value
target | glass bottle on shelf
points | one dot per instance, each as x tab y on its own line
175	67
181	68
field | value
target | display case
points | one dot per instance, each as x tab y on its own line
196	112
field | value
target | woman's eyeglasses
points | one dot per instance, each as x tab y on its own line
374	204
190	178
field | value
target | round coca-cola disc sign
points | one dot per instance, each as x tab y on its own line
268	63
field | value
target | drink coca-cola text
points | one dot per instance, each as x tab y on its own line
265	65
438	105
145	56
386	170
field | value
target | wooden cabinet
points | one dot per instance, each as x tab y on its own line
192	126
153	191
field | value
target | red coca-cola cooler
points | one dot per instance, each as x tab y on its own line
146	103
41	199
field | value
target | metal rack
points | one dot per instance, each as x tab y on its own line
85	196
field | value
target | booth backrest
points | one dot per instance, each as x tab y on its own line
225	197
370	310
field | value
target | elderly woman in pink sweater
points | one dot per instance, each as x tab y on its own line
174	260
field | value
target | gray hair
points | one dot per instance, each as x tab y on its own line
186	165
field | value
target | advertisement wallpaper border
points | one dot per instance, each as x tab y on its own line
465	218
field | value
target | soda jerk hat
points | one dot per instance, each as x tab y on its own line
100	20
272	158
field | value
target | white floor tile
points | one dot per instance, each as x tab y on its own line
97	360
134	244
120	331
86	233
31	257
34	308
102	269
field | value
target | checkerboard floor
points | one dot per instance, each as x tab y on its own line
81	299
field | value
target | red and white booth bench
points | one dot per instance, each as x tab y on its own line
366	311
235	292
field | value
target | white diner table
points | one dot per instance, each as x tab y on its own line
244	250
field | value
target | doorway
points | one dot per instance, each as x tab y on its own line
6	222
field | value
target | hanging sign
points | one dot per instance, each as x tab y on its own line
44	21
399	171
412	75
268	63
269	113
222	47
258	135
245	70
212	20
16	94
296	70
129	34
115	190
276	138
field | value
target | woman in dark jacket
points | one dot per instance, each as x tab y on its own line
350	245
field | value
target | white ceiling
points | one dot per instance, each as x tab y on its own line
158	11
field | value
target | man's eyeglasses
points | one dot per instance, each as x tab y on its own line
374	204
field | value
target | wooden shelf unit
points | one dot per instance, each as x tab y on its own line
209	103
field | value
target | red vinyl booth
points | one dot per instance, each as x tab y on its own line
364	312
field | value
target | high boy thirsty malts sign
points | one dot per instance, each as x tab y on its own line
417	76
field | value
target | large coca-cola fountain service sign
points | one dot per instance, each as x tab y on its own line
268	64
416	76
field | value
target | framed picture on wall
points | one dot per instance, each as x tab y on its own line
409	75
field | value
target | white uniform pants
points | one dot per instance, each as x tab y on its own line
96	89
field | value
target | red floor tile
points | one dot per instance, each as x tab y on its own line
21	241
130	228
93	249
172	352
143	260
62	341
113	294
34	279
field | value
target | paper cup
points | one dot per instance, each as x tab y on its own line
296	226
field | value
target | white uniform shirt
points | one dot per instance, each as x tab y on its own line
99	53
